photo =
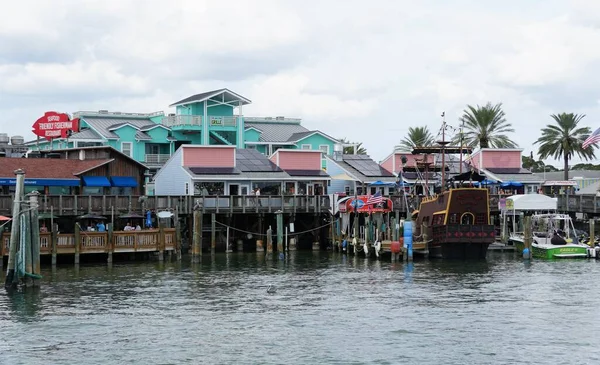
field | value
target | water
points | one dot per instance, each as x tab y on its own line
328	309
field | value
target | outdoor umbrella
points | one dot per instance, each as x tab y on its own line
46	216
3	218
511	184
132	216
91	216
381	183
487	182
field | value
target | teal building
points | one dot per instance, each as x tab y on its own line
210	118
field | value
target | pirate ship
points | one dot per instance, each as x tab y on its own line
454	221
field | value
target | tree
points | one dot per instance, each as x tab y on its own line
564	140
360	150
417	137
536	166
484	126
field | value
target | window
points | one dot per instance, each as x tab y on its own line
187	188
88	144
118	190
127	148
324	148
453	218
93	190
306	147
209	188
251	146
480	218
438	219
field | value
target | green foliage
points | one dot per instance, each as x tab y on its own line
360	150
417	137
536	166
585	166
564	140
485	127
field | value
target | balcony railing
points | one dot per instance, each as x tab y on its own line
196	120
156	159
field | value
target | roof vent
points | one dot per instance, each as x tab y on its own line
103	111
279	118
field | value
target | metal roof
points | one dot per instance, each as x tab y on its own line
277	131
250	160
301	135
366	166
102	125
559	175
85	134
361	177
142	135
228	96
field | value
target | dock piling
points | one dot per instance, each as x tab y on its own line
14	233
528	237
197	236
53	236
77	242
592	232
213	233
34	226
269	240
279	216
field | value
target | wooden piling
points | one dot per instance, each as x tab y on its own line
197	236
177	235
77	242
592	232
316	234
161	241
279	218
269	240
34	226
110	245
53	236
213	233
14	233
528	237
355	239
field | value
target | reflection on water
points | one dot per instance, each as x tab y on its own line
328	308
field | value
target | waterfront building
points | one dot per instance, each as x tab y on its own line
207	119
85	172
307	177
504	166
356	174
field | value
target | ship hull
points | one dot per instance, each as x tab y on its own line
460	250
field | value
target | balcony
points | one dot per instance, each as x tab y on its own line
196	121
156	158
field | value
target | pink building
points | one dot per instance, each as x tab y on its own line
494	158
305	167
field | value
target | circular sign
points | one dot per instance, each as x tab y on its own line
357	203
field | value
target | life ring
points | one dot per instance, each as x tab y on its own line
377	248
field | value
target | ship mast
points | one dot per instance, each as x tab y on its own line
443	144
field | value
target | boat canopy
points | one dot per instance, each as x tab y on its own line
535	202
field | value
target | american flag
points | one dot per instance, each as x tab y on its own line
593	138
375	199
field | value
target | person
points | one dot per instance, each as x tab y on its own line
101	227
128	227
90	228
43	228
138	228
257	193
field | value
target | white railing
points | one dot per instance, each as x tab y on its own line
153	158
196	120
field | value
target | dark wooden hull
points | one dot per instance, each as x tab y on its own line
462	241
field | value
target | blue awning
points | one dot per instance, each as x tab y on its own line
124	181
95	181
42	182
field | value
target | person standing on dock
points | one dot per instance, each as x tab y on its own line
100	227
128	227
257	194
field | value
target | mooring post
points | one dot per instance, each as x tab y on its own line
269	240
177	235
34	225
279	217
1	246
14	232
528	238
110	245
316	234
332	232
53	236
27	246
355	239
260	244
161	241
592	232
77	238
213	233
293	239
197	236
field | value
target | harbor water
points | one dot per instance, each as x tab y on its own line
327	308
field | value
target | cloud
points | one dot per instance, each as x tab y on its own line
365	71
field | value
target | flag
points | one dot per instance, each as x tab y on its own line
593	138
375	199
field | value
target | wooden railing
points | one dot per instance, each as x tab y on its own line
119	204
106	204
98	242
579	203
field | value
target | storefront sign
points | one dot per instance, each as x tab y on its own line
55	125
560	183
216	121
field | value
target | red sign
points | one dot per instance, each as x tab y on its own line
359	204
55	125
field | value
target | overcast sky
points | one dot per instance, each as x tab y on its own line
363	70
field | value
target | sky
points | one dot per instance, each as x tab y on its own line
361	70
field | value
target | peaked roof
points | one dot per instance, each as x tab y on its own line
384	175
103	125
227	94
301	135
280	131
46	168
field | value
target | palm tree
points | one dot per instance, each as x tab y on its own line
564	139
360	150
484	126
417	137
